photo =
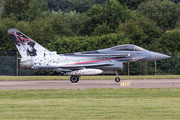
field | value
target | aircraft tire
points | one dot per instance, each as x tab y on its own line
117	79
74	79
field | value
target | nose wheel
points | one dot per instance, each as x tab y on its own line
117	79
74	79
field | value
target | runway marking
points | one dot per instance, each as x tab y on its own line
126	83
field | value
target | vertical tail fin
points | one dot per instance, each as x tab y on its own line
27	47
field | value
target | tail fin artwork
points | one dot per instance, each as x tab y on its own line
27	47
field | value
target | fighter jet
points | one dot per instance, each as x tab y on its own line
108	60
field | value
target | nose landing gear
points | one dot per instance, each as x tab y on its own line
117	79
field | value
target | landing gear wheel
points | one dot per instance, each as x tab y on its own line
117	79
74	79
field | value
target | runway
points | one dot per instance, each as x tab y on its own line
84	84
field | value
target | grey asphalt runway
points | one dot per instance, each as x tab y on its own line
84	84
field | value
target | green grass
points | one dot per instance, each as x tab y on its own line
127	104
12	78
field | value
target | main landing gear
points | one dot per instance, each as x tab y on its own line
117	79
74	79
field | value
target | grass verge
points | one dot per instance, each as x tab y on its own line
151	104
12	78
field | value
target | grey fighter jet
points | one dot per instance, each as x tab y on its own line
109	60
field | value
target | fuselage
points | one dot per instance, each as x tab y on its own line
115	55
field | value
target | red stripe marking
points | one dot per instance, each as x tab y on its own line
21	37
92	61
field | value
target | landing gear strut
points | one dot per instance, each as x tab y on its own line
74	79
117	79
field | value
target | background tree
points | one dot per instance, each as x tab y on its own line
165	13
58	4
111	12
132	4
67	23
80	5
37	7
5	39
133	30
171	41
102	29
175	1
141	31
0	10
177	26
99	1
20	10
16	9
1	3
70	5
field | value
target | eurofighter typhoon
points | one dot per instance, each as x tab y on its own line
109	60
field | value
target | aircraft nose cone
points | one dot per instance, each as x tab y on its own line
158	56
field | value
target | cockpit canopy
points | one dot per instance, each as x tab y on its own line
127	47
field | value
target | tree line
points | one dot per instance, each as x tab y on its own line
69	26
